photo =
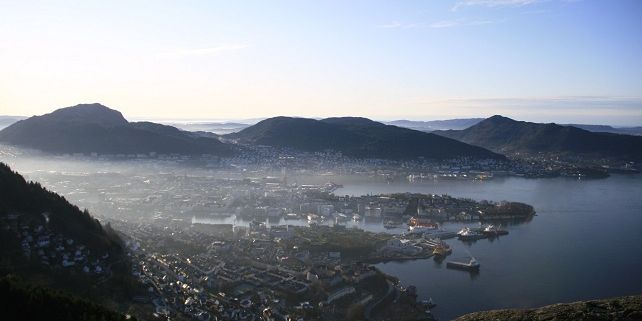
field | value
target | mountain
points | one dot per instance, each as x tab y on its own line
504	135
88	128
615	309
356	137
432	125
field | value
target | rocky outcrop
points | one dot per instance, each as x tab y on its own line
627	308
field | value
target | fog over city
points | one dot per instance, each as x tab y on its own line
362	160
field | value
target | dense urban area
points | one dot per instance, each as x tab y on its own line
243	239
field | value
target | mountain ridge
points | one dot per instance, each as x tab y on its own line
356	137
505	135
88	128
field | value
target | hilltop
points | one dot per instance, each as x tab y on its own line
89	128
504	135
356	137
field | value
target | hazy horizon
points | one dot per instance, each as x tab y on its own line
250	121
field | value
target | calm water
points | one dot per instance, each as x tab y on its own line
584	243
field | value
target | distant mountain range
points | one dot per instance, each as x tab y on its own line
219	128
356	137
463	123
610	129
88	128
504	135
227	127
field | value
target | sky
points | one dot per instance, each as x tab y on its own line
566	61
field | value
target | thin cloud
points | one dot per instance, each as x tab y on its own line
618	104
209	51
399	25
493	3
460	23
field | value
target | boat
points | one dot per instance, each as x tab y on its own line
439	247
417	225
418	221
419	229
432	242
468	234
429	303
441	250
356	217
471	265
491	230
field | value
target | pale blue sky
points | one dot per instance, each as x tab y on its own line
538	60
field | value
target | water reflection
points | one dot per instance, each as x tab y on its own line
583	244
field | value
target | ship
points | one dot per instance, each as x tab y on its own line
429	303
419	221
441	250
491	230
468	234
416	225
423	228
471	265
439	247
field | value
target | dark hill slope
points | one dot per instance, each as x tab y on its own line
356	137
30	200
50	242
95	128
24	302
505	135
616	309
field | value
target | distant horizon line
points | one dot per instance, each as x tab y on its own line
251	121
